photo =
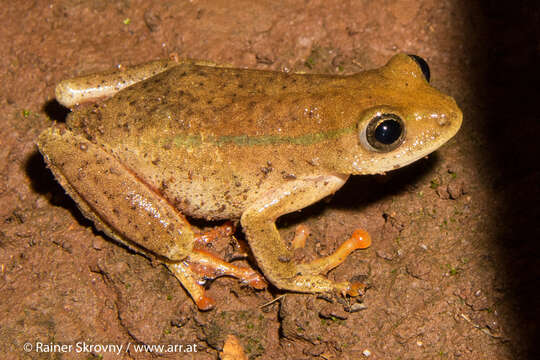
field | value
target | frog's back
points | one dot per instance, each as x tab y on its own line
212	101
212	139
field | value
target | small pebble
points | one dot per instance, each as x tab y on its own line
366	353
357	307
386	255
329	311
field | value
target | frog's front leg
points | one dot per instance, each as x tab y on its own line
272	254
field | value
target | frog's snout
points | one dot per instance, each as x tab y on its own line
450	118
448	124
444	120
453	119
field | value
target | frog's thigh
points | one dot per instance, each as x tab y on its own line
92	87
118	202
270	250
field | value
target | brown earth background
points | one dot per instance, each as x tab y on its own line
453	270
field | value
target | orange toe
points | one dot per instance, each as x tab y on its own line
356	289
360	239
214	234
300	236
257	282
205	303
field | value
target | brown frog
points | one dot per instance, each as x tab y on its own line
214	142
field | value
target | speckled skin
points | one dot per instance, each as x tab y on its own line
221	143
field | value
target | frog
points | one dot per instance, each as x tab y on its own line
148	146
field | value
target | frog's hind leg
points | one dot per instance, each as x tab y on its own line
201	266
89	88
209	266
93	87
208	239
189	280
122	205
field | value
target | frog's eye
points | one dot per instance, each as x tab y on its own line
422	64
385	132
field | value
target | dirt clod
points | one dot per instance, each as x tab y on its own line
456	189
330	311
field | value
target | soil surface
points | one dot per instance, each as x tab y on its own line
453	270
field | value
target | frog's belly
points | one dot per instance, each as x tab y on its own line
218	194
209	201
199	184
212	182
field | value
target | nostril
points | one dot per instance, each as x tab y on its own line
443	120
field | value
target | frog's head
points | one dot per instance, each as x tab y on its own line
404	120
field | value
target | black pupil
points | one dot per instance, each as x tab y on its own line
388	131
